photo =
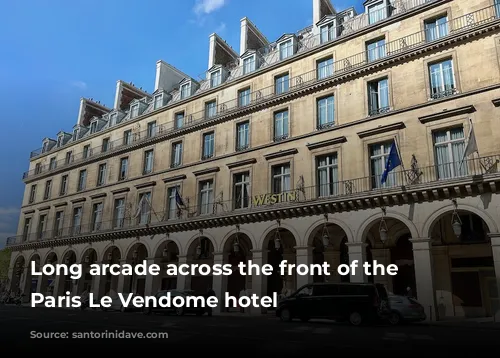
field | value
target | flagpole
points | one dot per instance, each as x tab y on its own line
396	142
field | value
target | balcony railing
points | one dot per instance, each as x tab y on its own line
410	179
340	67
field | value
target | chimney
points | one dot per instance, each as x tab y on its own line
211	50
316	11
81	111
167	76
118	94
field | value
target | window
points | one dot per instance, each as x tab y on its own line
53	164
242	136
105	145
75	134
442	79
59	141
378	96
158	101
179	120
185	90
86	151
134	110
32	193
77	220
58	224
119	213
64	185
26	229
123	169
173	211
148	161
449	151
215	78
324	68
112	119
327	33
281	178
375	50
286	49
41	226
206	197
377	12
208	145
210	109
326	112
378	159
96	216
38	168
436	28
69	157
101	174
151	129
145	209
127	137
244	97
281	84
48	187
93	127
249	64
241	190
327	172
82	179
280	125
176	159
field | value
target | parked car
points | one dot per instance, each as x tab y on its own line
179	311
405	309
356	303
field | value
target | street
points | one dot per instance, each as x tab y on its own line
262	334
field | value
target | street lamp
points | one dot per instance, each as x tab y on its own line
456	222
325	237
110	256
165	252
236	243
135	254
383	228
277	237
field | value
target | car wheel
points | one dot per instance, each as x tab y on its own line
355	318
394	318
285	315
179	311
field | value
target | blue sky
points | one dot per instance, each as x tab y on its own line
58	51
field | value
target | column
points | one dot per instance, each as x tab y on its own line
183	282
304	257
219	283
152	281
332	258
11	278
383	257
424	275
442	282
357	252
259	282
495	248
121	287
97	284
289	280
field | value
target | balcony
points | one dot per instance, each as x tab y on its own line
472	177
393	51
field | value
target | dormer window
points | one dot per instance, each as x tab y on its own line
158	101
134	110
93	127
112	118
75	134
377	12
249	64
327	32
45	146
185	90
59	141
286	49
215	78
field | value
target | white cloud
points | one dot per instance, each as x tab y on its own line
79	84
220	29
207	6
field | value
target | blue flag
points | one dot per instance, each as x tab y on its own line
178	199
393	161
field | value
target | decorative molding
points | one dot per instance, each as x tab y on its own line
496	102
446	114
79	200
325	143
58	205
241	163
119	191
175	178
145	185
44	208
28	212
97	196
206	171
381	129
281	153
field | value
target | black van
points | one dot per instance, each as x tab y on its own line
353	302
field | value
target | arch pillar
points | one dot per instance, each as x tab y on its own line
219	282
357	252
183	281
259	282
332	258
152	281
424	275
495	248
383	256
304	256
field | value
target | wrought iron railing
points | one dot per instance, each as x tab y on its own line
340	67
337	190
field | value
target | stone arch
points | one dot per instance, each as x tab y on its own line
67	252
84	251
331	221
156	250
137	243
368	223
271	228
190	244
107	247
33	254
438	214
370	238
20	255
231	233
48	254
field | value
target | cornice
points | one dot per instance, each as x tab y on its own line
446	114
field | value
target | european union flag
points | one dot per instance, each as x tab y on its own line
393	161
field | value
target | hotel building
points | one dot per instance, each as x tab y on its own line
277	154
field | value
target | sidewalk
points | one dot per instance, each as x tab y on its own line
480	323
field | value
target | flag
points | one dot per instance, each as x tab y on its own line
393	161
178	200
143	208
471	147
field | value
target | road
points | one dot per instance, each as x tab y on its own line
264	334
